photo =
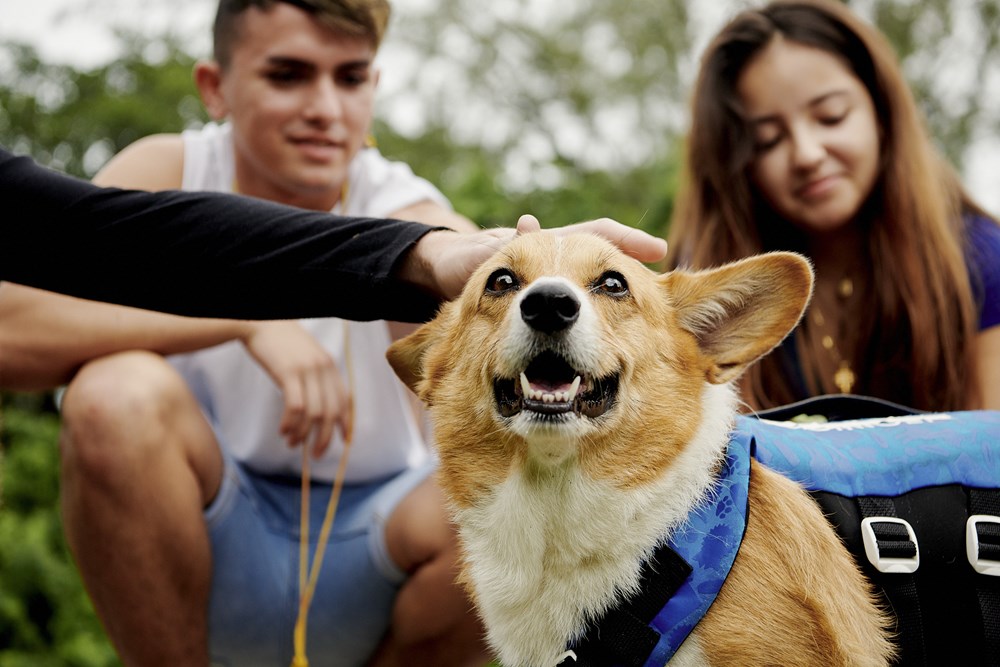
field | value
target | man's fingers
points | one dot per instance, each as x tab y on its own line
294	410
633	242
528	224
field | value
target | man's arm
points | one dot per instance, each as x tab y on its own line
431	213
46	337
152	163
218	255
201	254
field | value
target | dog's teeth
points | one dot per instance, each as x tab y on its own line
571	394
526	387
567	396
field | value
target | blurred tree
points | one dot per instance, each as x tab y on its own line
75	120
562	89
46	618
574	98
951	56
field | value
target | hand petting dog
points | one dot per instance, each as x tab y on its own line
442	261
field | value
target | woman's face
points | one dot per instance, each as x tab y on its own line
817	139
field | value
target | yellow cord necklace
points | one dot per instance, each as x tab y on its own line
307	587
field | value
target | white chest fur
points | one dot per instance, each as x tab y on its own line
551	548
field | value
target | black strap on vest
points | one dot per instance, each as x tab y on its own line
622	636
987	501
894	542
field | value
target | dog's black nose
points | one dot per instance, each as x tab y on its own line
549	308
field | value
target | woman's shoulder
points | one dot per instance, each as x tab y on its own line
983	241
983	255
982	227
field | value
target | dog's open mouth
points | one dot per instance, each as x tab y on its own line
550	386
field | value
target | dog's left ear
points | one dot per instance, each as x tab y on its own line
407	355
740	311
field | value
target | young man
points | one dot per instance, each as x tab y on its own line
180	489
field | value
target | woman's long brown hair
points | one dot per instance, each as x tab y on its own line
920	336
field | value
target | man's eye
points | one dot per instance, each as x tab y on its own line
284	76
611	283
353	78
500	281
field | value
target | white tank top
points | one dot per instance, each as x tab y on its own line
239	397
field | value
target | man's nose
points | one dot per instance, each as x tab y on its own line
324	102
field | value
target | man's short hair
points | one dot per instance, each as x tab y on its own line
366	19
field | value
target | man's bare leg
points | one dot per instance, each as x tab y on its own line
139	463
433	622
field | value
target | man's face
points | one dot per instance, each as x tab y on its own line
300	99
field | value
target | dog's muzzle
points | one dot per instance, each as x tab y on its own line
550	385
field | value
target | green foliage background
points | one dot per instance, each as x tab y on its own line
532	77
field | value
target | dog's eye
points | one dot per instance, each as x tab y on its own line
611	283
500	281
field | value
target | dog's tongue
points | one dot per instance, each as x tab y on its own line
541	390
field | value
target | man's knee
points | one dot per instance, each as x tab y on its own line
419	530
114	405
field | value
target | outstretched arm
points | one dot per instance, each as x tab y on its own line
201	254
215	255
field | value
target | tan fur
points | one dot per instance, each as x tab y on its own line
525	496
812	590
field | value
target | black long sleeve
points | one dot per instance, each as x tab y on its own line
200	254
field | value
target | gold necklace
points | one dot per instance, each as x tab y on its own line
844	377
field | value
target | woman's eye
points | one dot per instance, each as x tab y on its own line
832	119
612	283
763	144
500	281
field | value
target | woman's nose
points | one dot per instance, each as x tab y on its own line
807	148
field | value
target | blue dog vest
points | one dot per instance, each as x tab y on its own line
881	469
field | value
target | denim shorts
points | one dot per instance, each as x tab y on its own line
253	525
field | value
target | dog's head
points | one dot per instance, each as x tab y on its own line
564	349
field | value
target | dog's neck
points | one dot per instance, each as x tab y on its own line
552	548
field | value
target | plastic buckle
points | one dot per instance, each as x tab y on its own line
889	564
980	565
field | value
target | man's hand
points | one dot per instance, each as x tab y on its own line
443	261
631	241
316	398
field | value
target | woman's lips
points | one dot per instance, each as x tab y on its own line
817	188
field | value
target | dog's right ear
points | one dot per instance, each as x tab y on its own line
407	356
740	311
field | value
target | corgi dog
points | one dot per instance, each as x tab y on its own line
582	405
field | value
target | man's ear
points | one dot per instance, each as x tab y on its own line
208	79
740	311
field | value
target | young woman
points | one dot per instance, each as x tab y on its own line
806	137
